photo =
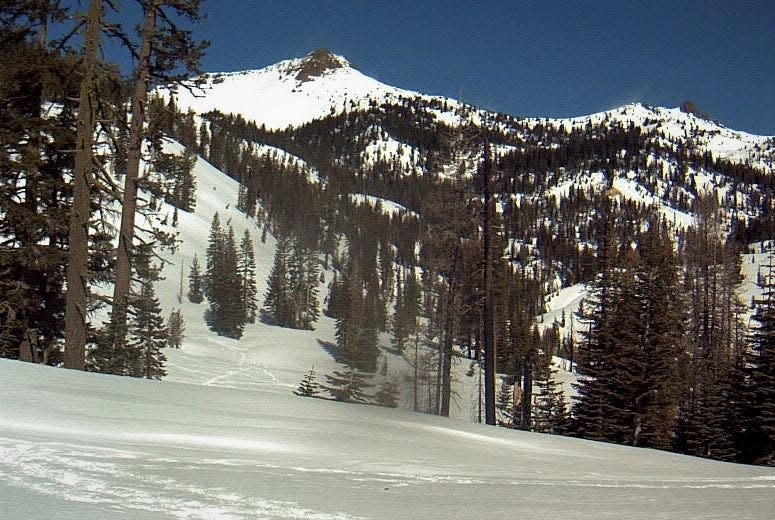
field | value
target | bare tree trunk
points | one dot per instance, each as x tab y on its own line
489	325
439	370
129	206
75	302
527	391
416	370
446	369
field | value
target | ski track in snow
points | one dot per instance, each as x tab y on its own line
135	482
79	474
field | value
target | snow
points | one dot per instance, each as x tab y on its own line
722	142
274	97
90	446
283	157
630	189
389	207
387	147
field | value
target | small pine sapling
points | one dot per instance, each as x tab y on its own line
308	386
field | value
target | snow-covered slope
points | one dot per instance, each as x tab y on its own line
675	125
291	92
297	91
84	446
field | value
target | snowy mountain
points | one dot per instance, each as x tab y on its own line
290	93
297	91
387	128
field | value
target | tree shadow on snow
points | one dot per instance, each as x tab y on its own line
331	348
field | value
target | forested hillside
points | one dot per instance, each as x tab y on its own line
650	207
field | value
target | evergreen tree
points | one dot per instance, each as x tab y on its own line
176	328
308	386
549	413
247	270
77	291
166	54
213	252
226	313
311	305
705	426
592	408
660	322
204	140
348	384
407	309
337	297
504	403
388	394
277	301
356	327
147	333
195	282
368	334
176	182
141	356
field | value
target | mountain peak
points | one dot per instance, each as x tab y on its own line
317	63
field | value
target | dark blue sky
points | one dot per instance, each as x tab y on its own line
530	58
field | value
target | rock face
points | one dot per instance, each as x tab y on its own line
316	63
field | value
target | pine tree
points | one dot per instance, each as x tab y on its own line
549	412
166	54
277	301
311	304
337	297
227	313
247	270
214	251
348	384
147	333
141	355
75	319
195	282
33	192
176	328
175	179
659	327
407	308
704	426
297	284
592	408
388	394
204	140
308	386
368	334
504	403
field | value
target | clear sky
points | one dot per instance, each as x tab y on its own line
527	58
